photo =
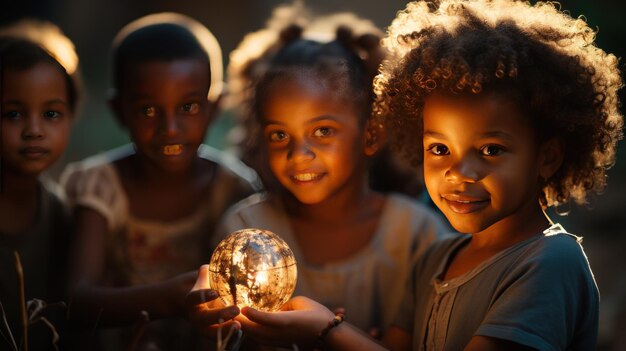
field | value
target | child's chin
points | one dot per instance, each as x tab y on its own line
466	227
31	168
309	199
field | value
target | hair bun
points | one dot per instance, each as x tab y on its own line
291	33
345	36
368	41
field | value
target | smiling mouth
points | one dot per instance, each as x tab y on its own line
172	150
466	206
306	177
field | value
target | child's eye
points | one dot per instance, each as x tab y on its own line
191	108
149	111
277	136
438	149
12	115
491	150
323	132
52	114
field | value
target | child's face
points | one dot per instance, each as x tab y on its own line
315	142
481	161
36	118
164	106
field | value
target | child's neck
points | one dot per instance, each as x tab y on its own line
337	208
18	201
496	238
511	230
148	173
154	194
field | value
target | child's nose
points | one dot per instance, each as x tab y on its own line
300	151
33	128
169	125
464	170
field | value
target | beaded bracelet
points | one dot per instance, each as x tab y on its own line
319	343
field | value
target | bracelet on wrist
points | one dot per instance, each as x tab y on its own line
338	319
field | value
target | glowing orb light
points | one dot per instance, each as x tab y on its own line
253	267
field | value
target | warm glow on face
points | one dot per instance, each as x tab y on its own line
253	267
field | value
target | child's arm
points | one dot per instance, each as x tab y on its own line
300	322
90	301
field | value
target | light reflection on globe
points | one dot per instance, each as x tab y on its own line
253	267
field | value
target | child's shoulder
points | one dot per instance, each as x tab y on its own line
555	256
557	250
258	210
52	191
255	205
94	183
231	164
96	169
98	162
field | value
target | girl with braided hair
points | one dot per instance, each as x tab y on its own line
311	98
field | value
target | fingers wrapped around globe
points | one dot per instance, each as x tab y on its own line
206	311
250	268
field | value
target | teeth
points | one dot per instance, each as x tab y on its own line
305	177
172	150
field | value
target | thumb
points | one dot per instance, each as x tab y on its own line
200	293
202	281
260	317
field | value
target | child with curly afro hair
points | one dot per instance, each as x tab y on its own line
511	108
538	56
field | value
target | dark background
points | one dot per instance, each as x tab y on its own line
93	24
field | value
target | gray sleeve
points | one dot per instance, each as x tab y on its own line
548	302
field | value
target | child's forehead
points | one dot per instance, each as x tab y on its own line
311	84
145	70
135	64
499	97
491	110
41	75
165	80
312	90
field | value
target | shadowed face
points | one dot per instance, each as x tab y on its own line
36	118
164	106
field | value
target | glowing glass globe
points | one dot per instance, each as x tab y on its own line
253	267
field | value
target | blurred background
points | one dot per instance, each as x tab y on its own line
93	24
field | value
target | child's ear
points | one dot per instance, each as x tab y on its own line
375	137
115	105
550	157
